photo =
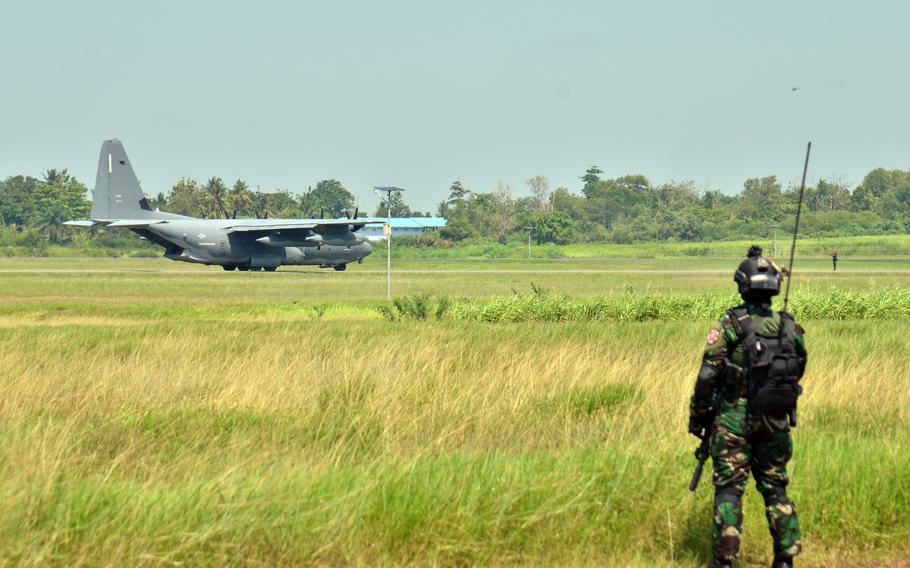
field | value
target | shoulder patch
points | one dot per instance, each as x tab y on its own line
713	336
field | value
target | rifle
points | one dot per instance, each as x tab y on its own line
732	372
799	210
701	454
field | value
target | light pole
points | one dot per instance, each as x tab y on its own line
388	191
774	239
529	229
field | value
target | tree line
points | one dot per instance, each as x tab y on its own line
624	209
40	206
631	209
216	199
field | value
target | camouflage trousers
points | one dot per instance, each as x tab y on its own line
762	444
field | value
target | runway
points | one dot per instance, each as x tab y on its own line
436	271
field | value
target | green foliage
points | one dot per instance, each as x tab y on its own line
459	229
836	304
215	199
329	197
623	210
43	204
489	214
17	203
397	206
185	198
442	307
590	179
279	203
629	209
417	307
458	192
319	310
552	227
589	401
240	199
760	198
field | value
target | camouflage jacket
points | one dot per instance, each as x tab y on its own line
723	345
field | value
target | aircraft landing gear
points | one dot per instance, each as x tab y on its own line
229	267
340	267
271	268
243	268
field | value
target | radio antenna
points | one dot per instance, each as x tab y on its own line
799	210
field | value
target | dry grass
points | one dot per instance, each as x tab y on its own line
225	419
360	442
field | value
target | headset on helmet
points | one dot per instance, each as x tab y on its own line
757	277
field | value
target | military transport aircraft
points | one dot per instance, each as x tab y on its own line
241	244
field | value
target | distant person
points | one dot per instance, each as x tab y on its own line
834	260
746	389
756	251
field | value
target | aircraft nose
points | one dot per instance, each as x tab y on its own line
367	248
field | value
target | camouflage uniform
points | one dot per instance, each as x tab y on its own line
741	442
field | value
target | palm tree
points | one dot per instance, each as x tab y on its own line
241	198
57	177
217	194
50	221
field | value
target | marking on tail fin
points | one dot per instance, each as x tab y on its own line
110	164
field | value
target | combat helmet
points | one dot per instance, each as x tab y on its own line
757	277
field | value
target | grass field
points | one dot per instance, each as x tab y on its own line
891	247
807	247
153	413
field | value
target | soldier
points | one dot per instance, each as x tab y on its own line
746	388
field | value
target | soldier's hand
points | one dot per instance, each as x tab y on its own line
696	426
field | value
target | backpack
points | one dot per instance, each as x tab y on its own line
773	366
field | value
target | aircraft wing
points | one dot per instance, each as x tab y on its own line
305	225
135	223
127	223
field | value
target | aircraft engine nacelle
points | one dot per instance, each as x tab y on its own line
341	239
281	241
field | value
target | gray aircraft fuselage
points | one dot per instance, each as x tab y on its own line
206	241
243	244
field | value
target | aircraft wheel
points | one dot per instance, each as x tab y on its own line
242	268
340	267
229	267
271	268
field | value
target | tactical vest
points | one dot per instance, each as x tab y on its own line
773	365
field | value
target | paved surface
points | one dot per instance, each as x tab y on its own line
314	270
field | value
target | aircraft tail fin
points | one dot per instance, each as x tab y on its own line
117	193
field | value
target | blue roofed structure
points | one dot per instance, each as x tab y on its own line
404	226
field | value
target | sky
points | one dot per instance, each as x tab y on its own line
419	93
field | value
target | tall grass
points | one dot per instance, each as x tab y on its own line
835	304
242	419
313	442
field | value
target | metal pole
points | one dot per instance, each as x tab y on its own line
774	228
388	271
529	229
388	191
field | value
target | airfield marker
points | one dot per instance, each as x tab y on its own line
529	229
388	191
